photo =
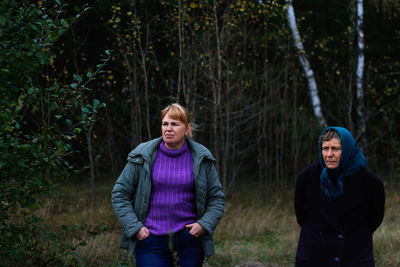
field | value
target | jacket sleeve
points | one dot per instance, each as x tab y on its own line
215	201
377	203
121	198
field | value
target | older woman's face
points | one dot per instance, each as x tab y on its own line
173	132
331	152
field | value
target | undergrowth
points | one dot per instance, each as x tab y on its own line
258	226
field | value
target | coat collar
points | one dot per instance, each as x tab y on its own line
335	211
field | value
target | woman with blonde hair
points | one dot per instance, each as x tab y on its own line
169	198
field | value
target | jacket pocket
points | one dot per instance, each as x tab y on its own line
187	232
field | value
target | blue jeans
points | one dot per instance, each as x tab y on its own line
155	250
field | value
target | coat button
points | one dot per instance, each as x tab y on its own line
340	236
336	259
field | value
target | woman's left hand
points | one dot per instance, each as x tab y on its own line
196	229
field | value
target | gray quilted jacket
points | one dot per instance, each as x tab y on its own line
131	194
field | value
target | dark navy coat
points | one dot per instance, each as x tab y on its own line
337	233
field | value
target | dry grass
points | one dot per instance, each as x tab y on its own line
256	227
387	237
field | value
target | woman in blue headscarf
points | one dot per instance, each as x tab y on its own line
339	204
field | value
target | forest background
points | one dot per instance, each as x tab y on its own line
83	82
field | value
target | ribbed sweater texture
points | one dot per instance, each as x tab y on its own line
172	200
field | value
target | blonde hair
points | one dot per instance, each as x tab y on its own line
177	112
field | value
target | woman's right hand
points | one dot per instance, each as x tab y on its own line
142	234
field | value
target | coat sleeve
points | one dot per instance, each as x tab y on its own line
377	203
215	201
300	197
121	198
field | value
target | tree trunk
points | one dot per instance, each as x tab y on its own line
217	96
143	54
91	162
312	85
361	114
180	43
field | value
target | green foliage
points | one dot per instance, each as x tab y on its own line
34	140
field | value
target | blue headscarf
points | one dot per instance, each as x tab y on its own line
352	160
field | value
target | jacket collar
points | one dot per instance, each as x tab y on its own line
148	149
198	150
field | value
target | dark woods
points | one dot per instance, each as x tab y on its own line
102	71
234	66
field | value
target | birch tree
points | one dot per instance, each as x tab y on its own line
308	72
361	113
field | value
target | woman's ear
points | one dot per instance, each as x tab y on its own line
188	129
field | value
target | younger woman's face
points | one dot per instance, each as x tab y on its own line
173	132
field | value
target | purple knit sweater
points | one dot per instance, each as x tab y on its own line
172	200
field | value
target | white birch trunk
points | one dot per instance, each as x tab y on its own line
361	114
312	85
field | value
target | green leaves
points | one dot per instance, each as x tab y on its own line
2	20
89	112
64	23
36	132
77	77
68	122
